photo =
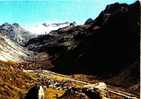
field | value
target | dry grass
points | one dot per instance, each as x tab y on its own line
14	83
51	93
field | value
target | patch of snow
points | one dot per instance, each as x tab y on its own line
46	28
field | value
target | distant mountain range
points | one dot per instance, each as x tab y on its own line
13	37
21	35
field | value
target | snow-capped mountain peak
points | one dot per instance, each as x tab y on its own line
45	28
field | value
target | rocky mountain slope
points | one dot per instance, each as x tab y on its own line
105	46
15	32
11	51
110	42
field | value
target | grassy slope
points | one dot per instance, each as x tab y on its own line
15	83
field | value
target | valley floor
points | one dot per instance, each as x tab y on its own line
16	81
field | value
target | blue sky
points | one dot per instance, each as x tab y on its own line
28	12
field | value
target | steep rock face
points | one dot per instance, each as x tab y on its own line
106	45
11	51
15	32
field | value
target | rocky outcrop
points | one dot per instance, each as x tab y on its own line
89	21
15	32
36	92
96	91
90	91
101	46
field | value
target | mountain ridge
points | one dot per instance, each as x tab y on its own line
15	32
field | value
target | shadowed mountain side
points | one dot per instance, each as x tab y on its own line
107	44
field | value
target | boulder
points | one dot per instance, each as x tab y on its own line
36	92
96	91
